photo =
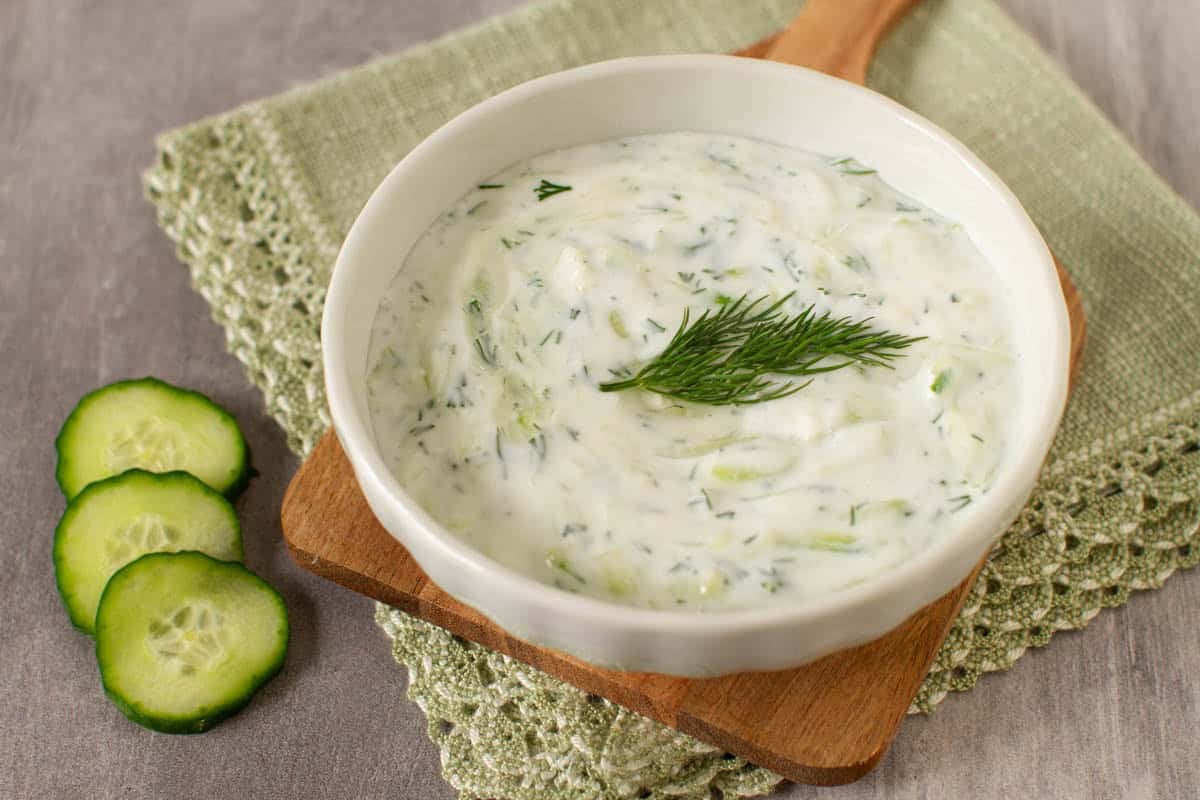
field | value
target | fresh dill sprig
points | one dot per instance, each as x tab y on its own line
727	357
547	189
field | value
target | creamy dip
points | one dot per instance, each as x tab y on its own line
488	349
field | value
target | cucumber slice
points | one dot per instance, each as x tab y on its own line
184	640
118	519
151	425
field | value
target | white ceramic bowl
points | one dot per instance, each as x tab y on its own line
776	103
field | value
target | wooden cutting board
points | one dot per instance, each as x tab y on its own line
828	722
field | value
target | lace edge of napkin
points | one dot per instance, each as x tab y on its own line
1121	517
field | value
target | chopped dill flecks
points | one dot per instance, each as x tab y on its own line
960	502
848	166
559	562
538	443
489	357
857	262
725	162
546	189
490	186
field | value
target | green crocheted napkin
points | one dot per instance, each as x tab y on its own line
258	201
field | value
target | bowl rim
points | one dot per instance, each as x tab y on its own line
975	535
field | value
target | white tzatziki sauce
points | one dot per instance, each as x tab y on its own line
490	344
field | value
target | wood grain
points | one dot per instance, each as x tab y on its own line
826	723
829	722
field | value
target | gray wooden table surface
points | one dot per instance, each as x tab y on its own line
90	291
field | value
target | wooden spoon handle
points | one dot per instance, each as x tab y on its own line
837	37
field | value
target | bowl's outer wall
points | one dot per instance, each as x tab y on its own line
772	102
